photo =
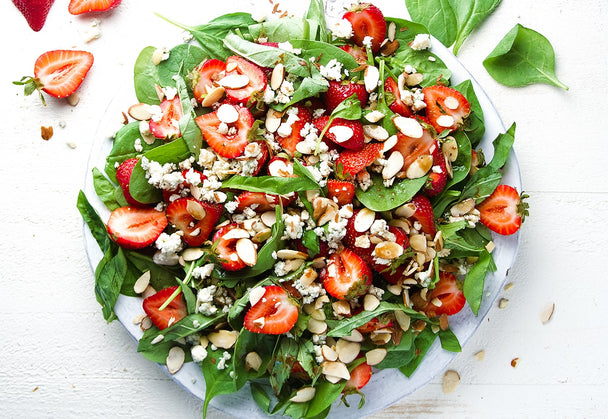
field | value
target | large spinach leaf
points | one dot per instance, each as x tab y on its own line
475	279
182	59
381	198
469	14
275	185
438	16
475	122
145	77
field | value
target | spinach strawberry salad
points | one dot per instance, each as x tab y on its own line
297	206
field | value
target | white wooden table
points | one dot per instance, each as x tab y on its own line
60	359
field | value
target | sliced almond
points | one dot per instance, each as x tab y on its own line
391	31
376	132
196	209
213	96
449	149
140	112
388	250
227	114
414	79
341	307
406	210
419	167
175	359
403	320
256	295
371	77
380	337
332	379
224	339
389	47
246	251
451	102
142	283
146	323
390	143
269	218
445	121
139	319
480	355
273	120
328	353
375	356
234	81
308	277
341	133
335	369
347	351
316	327
149	291
451	379
370	302
355	336
277	77
253	361
231	66
236	233
262	236
304	395
374	116
394	289
321	301
291	254
330	214
364	220
280	168
408	126
463	207
73	99
547	313
192	253
157	56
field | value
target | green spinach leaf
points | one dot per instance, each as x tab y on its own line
469	14
380	198
104	189
145	77
188	128
315	16
109	275
423	342
475	279
182	59
275	185
475	123
94	222
438	16
399	355
217	381
449	341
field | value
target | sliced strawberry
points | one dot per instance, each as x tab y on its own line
346	275
350	240
446	108
261	161
136	228
258	201
396	105
290	141
357	53
257	79
376	324
275	313
209	72
342	132
232	143
196	219
359	377
412	148
393	277
191	178
447	291
438	176
226	239
341	191
123	175
503	211
34	11
78	7
353	162
270	44
424	214
171	314
367	20
167	126
338	91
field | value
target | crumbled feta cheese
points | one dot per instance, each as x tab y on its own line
342	29
202	272
293	226
231	206
198	353
221	363
286	46
169	244
367	42
332	71
421	42
204	300
138	146
170	92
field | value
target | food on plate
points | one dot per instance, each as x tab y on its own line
299	207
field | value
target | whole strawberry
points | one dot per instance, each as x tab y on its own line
35	11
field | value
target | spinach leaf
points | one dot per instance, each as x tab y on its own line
310	240
474	281
279	30
325	395
315	16
94	222
217	381
260	396
431	70
474	125
469	14
324	53
406	30
523	57
275	185
109	275
423	342
247	342
159	352
188	128
399	355
449	341
182	59
161	276
380	198
449	230
437	15
173	152
145	77
301	170
284	357
349	108
308	87
104	189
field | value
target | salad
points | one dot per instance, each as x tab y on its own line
298	206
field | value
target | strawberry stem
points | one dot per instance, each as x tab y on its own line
179	288
30	85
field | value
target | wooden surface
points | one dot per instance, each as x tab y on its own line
59	357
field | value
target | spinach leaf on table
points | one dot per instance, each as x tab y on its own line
523	57
381	198
145	77
469	14
438	16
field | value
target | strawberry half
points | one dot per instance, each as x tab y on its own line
123	175
58	73
424	214
346	275
232	143
34	11
341	191
396	105
257	79
342	132
290	141
174	312
209	72
259	201
356	52
447	291
196	219
412	148
503	211
359	377
338	91
226	239
275	313
446	108
136	228
167	127
78	7
438	176
353	161
367	20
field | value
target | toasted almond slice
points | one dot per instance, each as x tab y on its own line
376	132
445	121
480	355
224	339
246	251
451	102
463	207
391	31
280	168
231	66
256	295
142	283
291	254
328	353
342	133
375	356
371	302
332	379
73	99
335	369
236	233
394	289
213	96
389	48
547	313
196	209
355	336
406	210
234	81
364	220
408	126
308	277
175	359
394	164
449	149
146	323
227	113
253	361
277	77
347	351
419	167
341	307
269	218
330	214
371	76
403	320
262	236
317	327
148	291
321	301
390	143
140	112
192	253
414	79
139	319
451	379
374	116
303	395
157	56
388	250
273	120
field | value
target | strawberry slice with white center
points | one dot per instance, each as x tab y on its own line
503	211
346	275
78	7
367	20
274	313
448	292
424	214
136	228
227	239
166	125
196	219
342	132
341	191
290	136
413	147
446	108
243	80
171	314
396	105
227	140
209	72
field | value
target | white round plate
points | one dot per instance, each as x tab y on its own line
386	386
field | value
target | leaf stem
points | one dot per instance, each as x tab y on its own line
179	288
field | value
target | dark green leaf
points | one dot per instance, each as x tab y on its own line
217	381
380	198
260	396
310	239
474	281
423	342
109	275
449	341
94	222
399	355
145	77
159	352
247	342
325	395
275	185
161	276
279	30
469	14
182	59
315	16
437	16
475	122
104	189
188	128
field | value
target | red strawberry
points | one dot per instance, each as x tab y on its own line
343	132
367	20
209	72
275	313
174	312
504	210
359	377
445	107
227	238
123	175
350	240
396	105
342	190
196	219
338	91
262	159
58	72
229	145
34	11
257	79
438	176
412	148
424	214
357	52
346	275
167	127
191	177
136	228
290	141
353	162
447	291
394	277
270	44
323	248
77	7
262	201
376	324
